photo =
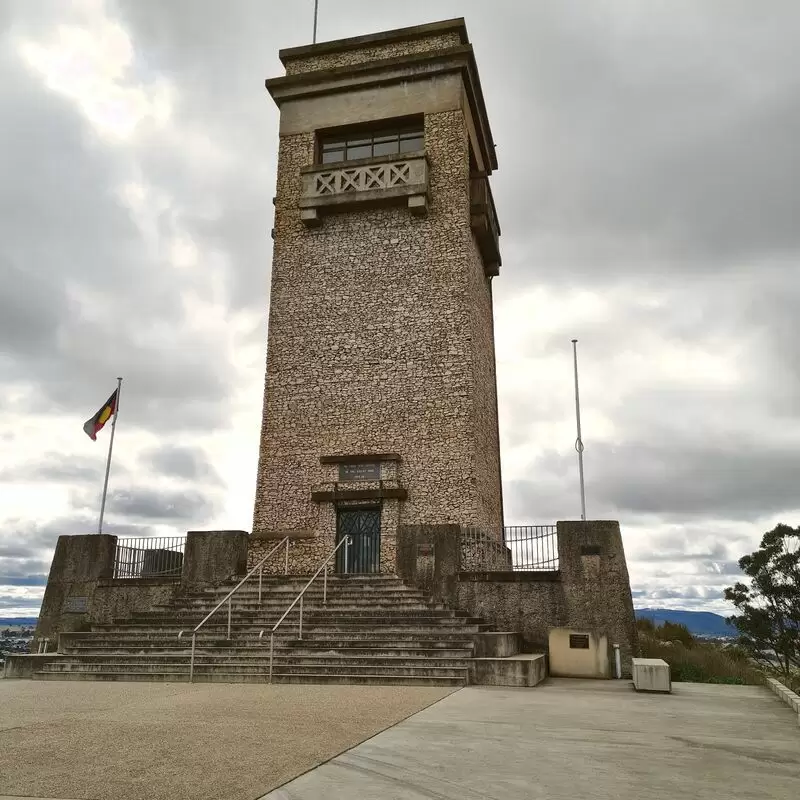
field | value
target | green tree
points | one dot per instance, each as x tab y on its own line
675	632
769	618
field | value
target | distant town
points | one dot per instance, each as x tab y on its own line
15	638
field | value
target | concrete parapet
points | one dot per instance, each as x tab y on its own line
23	666
786	694
524	670
497	644
212	557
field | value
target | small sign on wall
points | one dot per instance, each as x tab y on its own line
359	472
76	605
579	641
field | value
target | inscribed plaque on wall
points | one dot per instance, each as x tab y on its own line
76	605
359	472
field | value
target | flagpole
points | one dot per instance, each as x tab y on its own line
579	441
108	462
316	9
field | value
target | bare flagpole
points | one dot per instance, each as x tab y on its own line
579	441
316	9
108	462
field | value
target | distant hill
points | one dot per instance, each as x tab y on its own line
699	623
27	621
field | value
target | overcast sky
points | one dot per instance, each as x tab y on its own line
649	195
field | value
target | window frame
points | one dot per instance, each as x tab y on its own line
391	131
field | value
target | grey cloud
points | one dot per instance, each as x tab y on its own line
28	604
58	468
64	234
188	463
154	505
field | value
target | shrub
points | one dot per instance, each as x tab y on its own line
701	662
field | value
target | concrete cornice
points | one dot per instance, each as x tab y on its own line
394	70
456	25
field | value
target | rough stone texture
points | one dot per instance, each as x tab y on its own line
120	598
530	603
362	55
597	589
212	557
380	340
79	562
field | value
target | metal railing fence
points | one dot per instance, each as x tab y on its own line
345	541
228	597
523	547
149	557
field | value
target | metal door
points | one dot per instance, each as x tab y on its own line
363	526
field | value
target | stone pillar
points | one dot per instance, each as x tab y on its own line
597	590
428	556
79	562
213	557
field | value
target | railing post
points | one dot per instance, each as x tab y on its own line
271	650
229	618
325	587
191	660
260	574
300	633
286	558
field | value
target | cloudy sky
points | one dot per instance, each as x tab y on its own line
649	194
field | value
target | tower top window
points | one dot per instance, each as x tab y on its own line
385	141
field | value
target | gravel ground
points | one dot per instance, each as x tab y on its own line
146	741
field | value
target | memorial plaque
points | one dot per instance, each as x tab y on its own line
359	472
76	605
424	550
590	550
579	641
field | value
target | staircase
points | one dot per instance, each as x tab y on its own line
373	630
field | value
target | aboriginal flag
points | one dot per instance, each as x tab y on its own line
94	425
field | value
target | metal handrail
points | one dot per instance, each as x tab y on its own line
346	541
260	568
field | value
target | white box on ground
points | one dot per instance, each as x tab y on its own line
651	675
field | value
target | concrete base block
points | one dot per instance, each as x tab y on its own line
524	670
23	666
497	644
651	675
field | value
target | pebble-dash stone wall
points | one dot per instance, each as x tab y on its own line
380	341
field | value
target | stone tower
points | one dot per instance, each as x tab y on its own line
380	405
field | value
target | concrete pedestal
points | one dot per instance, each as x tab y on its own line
651	675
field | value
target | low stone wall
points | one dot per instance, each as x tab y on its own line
590	591
786	695
530	603
81	590
120	598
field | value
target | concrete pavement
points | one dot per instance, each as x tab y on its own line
594	740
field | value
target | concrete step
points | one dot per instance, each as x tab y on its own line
258	652
239	622
251	629
277	677
286	667
168	662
